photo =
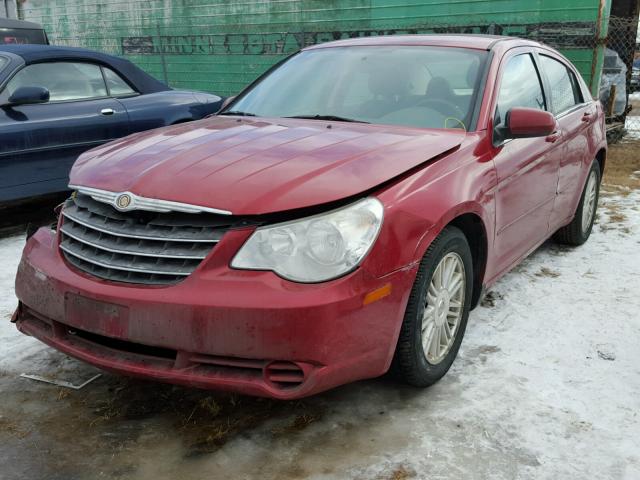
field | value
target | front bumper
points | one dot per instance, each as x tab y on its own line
245	331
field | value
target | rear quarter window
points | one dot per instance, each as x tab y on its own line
19	36
116	85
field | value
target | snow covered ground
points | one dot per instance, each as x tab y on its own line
546	386
632	127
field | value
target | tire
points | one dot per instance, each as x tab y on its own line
412	363
577	232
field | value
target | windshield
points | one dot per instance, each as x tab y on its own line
416	86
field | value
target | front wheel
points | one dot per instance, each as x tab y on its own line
437	311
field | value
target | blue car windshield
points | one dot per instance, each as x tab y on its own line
414	86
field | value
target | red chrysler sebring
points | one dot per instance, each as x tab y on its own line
339	218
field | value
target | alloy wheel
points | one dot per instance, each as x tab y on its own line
444	307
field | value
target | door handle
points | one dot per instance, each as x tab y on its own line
586	117
107	111
553	136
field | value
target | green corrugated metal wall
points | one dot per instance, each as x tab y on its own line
222	45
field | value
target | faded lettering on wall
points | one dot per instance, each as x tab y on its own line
565	35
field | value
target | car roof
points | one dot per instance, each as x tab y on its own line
478	42
33	53
13	23
141	81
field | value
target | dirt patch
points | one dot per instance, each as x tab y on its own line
617	218
547	272
399	473
613	217
298	424
205	420
623	163
12	428
118	416
480	354
491	298
614	213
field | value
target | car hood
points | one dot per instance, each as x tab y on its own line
256	166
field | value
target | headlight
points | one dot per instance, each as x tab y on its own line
317	248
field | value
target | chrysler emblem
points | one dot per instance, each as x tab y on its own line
123	201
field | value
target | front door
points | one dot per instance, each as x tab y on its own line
39	143
527	169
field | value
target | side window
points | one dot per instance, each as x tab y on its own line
564	89
64	80
520	87
117	86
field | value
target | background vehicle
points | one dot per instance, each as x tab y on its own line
635	76
614	72
341	215
21	32
57	102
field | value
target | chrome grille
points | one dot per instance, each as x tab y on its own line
136	246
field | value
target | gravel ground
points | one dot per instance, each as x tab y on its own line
546	386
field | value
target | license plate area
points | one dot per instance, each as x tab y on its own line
103	318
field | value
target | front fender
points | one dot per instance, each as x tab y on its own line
419	206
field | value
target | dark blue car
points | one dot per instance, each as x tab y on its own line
57	102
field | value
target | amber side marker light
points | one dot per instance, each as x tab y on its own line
377	294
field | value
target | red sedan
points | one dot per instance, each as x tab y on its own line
341	216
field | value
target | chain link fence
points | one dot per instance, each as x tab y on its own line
620	81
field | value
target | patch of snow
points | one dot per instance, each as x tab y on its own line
632	127
16	348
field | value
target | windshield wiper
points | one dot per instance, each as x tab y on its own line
327	117
238	113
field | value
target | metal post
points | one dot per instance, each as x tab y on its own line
162	59
9	9
612	100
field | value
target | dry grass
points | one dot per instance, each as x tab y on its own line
614	214
299	423
205	421
7	426
400	473
623	161
617	218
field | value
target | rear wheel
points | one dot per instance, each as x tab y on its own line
437	311
578	231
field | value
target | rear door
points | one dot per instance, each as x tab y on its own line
574	116
527	168
39	143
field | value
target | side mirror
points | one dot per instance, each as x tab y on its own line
528	122
29	95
